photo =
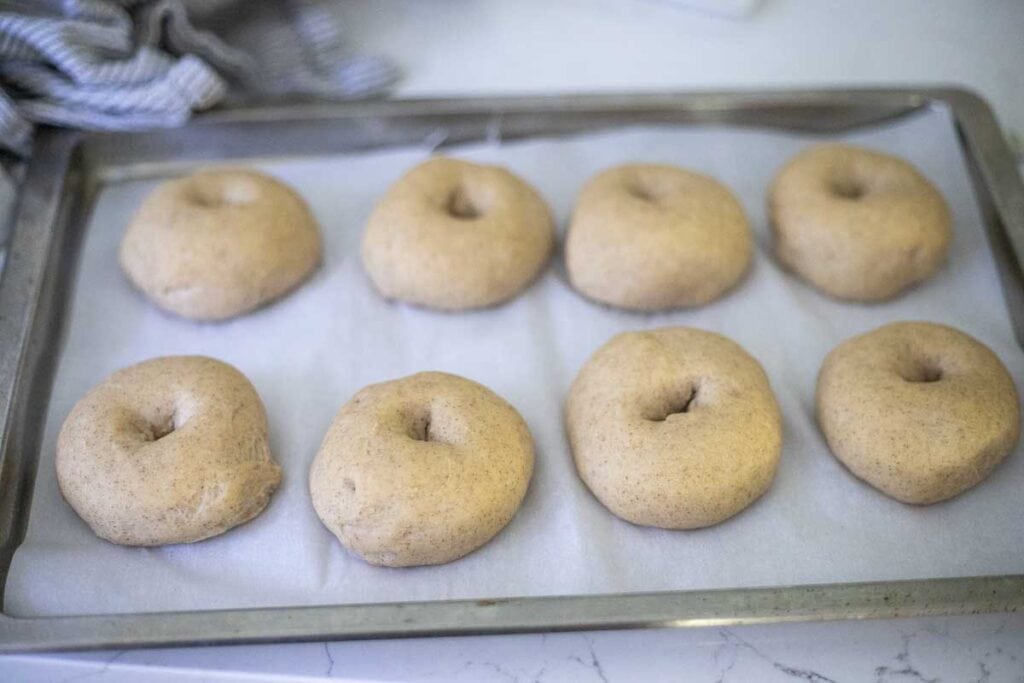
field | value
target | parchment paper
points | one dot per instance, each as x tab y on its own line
310	352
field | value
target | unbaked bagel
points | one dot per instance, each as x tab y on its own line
650	237
675	428
219	243
421	470
171	450
920	411
857	224
455	235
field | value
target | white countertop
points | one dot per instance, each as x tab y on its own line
537	46
987	649
483	47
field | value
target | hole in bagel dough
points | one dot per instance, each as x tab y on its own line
154	430
643	192
847	188
419	427
922	372
678	405
229	192
461	206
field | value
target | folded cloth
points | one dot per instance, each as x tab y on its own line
132	64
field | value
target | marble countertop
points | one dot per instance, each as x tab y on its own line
981	649
491	47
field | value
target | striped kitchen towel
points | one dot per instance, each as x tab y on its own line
134	64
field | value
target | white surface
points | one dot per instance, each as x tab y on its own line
733	9
312	351
546	46
496	46
987	649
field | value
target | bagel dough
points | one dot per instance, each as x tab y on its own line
421	470
675	428
455	235
920	411
857	224
651	237
220	243
171	450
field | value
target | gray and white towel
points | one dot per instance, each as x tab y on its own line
134	64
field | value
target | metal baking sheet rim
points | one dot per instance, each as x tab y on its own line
60	182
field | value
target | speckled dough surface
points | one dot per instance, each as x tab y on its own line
856	223
675	427
219	243
453	235
918	410
171	450
421	470
651	237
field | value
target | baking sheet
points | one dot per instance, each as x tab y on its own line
309	353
